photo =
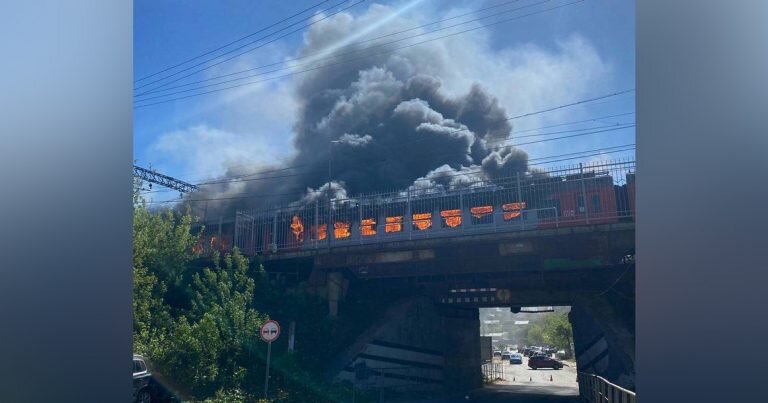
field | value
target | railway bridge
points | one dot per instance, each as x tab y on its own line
434	256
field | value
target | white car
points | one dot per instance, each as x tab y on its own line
141	379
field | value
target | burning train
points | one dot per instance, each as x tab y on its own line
527	201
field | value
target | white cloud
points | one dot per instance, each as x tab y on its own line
203	151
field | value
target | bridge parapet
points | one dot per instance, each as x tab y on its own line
598	193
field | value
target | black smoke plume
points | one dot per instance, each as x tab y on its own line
385	124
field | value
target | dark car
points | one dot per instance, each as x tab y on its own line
141	380
537	362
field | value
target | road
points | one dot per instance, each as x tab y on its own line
524	385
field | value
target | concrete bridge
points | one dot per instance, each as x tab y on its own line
433	258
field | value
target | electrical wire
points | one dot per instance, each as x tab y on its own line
333	64
251	43
231	43
163	87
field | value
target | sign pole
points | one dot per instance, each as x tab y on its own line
266	377
269	332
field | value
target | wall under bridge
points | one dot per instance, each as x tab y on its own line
416	346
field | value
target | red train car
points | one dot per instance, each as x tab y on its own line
573	208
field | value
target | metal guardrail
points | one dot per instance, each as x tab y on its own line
597	193
492	371
596	389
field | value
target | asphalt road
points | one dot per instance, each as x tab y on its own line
523	385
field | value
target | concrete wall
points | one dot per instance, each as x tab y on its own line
416	346
604	339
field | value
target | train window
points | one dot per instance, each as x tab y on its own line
297	227
482	214
341	230
596	203
551	209
451	218
422	221
318	233
393	224
580	203
368	227
512	210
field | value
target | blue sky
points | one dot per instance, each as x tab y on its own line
557	57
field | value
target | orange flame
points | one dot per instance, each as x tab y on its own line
512	210
368	227
393	224
298	228
422	221
481	211
341	230
452	217
321	232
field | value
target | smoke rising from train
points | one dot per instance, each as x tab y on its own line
385	123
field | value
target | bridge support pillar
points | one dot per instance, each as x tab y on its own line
462	355
604	338
335	281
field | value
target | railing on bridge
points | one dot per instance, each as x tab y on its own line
596	193
595	389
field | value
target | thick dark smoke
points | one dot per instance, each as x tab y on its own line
386	124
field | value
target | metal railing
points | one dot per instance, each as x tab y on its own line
493	371
596	389
597	193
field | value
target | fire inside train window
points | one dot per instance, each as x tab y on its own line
368	227
481	214
318	233
297	229
512	210
451	218
422	221
393	224
341	230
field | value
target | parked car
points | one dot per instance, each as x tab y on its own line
497	353
515	359
142	388
537	362
506	356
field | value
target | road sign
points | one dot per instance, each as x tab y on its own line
270	331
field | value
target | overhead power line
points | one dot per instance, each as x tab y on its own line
229	178
164	87
251	43
233	42
334	64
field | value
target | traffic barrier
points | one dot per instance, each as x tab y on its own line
596	389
